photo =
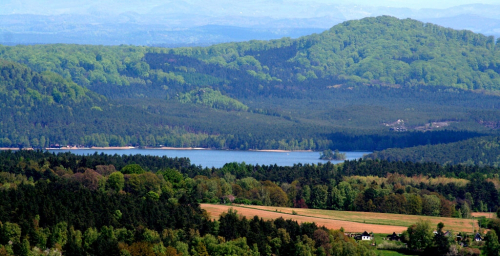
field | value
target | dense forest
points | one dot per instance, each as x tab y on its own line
103	211
143	205
370	84
364	185
476	151
57	111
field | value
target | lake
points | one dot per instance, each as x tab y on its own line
217	158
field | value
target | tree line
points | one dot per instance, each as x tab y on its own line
363	185
475	151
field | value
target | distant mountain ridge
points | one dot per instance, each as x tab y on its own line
473	22
182	23
382	50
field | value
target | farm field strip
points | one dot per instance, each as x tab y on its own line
349	226
484	214
454	224
350	221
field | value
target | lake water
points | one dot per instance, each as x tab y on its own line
217	158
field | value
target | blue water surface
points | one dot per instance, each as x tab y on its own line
217	158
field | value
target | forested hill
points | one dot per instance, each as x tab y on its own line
358	82
381	50
21	87
405	52
31	102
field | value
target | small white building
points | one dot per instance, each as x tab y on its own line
366	237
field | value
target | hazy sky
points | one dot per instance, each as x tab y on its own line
412	3
144	6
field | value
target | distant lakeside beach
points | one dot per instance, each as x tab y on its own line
157	148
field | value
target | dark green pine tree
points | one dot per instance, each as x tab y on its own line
491	245
441	242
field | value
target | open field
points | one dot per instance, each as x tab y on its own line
484	214
349	226
351	221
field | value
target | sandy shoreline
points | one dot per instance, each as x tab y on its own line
71	148
279	150
97	148
159	148
174	148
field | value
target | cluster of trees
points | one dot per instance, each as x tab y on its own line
85	64
394	194
332	155
421	237
393	141
213	99
25	88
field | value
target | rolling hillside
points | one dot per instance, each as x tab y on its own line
373	51
351	87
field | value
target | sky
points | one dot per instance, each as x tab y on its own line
417	4
47	7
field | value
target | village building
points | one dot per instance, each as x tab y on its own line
446	234
365	236
478	237
393	237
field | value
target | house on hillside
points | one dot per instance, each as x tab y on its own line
366	237
478	237
446	234
352	235
393	237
